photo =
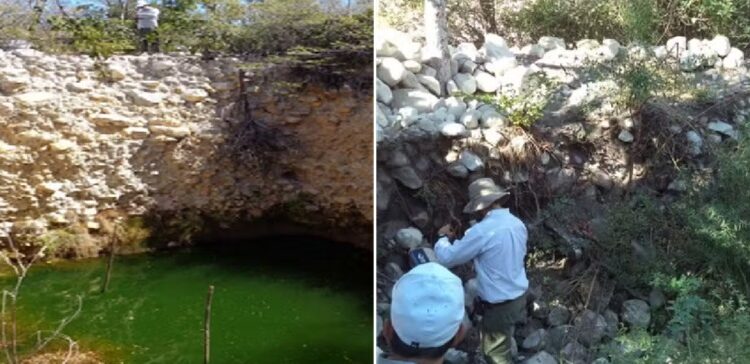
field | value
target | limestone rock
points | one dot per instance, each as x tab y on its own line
195	95
465	83
735	59
35	98
453	130
558	315
721	45
550	43
454	356
409	238
383	92
111	120
458	170
431	83
471	119
408	177
391	71
695	141
170	131
471	161
412	66
723	128
142	98
625	136
591	326
535	340
573	353
495	46
422	101
636	312
486	82
541	357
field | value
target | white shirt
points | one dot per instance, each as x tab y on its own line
148	17
497	245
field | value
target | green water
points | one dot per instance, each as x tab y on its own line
286	302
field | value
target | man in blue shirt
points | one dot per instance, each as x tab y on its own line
497	246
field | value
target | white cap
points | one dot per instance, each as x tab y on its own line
427	306
141	3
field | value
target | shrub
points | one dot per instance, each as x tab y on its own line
632	20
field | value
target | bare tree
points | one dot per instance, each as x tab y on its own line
436	40
21	264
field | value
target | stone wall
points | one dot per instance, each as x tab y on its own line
433	140
165	135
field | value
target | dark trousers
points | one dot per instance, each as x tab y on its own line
148	40
498	326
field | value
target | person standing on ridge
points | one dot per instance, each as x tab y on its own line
497	245
148	20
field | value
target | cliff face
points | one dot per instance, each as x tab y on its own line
82	141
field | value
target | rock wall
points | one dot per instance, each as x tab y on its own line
165	135
433	142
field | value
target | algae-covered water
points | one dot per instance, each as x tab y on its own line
278	302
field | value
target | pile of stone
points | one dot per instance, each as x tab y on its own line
413	107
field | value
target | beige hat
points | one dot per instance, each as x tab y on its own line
482	193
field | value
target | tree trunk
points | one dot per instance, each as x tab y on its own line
436	40
488	12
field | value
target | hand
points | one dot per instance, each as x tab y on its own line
446	230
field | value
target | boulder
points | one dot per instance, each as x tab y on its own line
111	120
471	161
625	136
550	43
421	100
142	98
393	43
535	341
170	131
412	66
636	313
496	47
407	176
721	45
453	130
735	59
431	83
558	337
573	353
591	326
409	238
383	92
471	119
194	95
465	83
486	82
391	71
723	128
558	315
35	98
541	357
458	170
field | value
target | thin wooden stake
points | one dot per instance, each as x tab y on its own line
110	263
207	327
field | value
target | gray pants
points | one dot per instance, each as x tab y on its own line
148	40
